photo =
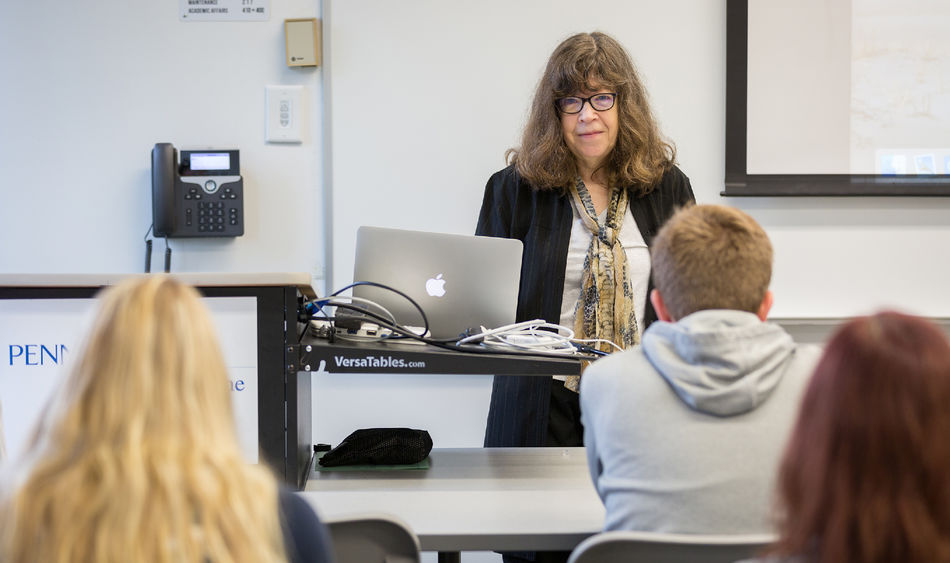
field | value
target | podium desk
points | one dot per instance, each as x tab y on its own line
268	301
475	499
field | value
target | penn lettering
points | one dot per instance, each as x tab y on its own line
36	354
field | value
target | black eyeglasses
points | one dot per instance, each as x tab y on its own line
574	104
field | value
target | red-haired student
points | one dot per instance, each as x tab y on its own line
866	474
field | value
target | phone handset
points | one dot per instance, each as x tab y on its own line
164	177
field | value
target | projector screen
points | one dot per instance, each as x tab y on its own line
838	97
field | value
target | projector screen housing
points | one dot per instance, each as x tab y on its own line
835	87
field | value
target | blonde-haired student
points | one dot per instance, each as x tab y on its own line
137	457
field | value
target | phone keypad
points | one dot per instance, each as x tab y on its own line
213	216
205	212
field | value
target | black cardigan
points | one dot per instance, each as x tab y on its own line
542	220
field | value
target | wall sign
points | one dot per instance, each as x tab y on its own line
223	10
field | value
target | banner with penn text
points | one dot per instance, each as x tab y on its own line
40	338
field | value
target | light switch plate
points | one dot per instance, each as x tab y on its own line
285	114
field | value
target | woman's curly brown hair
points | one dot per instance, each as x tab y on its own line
592	62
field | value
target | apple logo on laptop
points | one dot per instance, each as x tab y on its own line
435	286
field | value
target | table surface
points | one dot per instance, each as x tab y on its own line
475	499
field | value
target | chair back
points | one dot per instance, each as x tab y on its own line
632	547
373	538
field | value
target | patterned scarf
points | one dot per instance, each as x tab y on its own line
605	307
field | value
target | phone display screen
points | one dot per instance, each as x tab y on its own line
213	162
210	161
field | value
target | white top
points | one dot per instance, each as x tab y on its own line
638	262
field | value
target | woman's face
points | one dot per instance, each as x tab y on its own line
590	134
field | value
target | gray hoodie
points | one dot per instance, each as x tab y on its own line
684	433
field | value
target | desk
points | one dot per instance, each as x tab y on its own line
475	499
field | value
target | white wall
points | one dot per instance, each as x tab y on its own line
427	95
90	87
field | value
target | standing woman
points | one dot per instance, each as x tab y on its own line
590	185
137	458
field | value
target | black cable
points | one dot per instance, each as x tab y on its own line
383	321
319	303
168	257
590	350
425	319
148	250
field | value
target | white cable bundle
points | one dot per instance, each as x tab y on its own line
537	335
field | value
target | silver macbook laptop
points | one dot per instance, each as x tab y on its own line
459	281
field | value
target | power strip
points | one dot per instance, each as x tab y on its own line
320	328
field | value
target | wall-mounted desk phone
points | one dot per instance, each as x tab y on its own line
202	195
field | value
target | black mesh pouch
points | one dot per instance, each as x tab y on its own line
380	446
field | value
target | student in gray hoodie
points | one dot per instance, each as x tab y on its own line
684	432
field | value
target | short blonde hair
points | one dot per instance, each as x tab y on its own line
711	257
137	457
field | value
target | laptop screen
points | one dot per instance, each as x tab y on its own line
460	281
